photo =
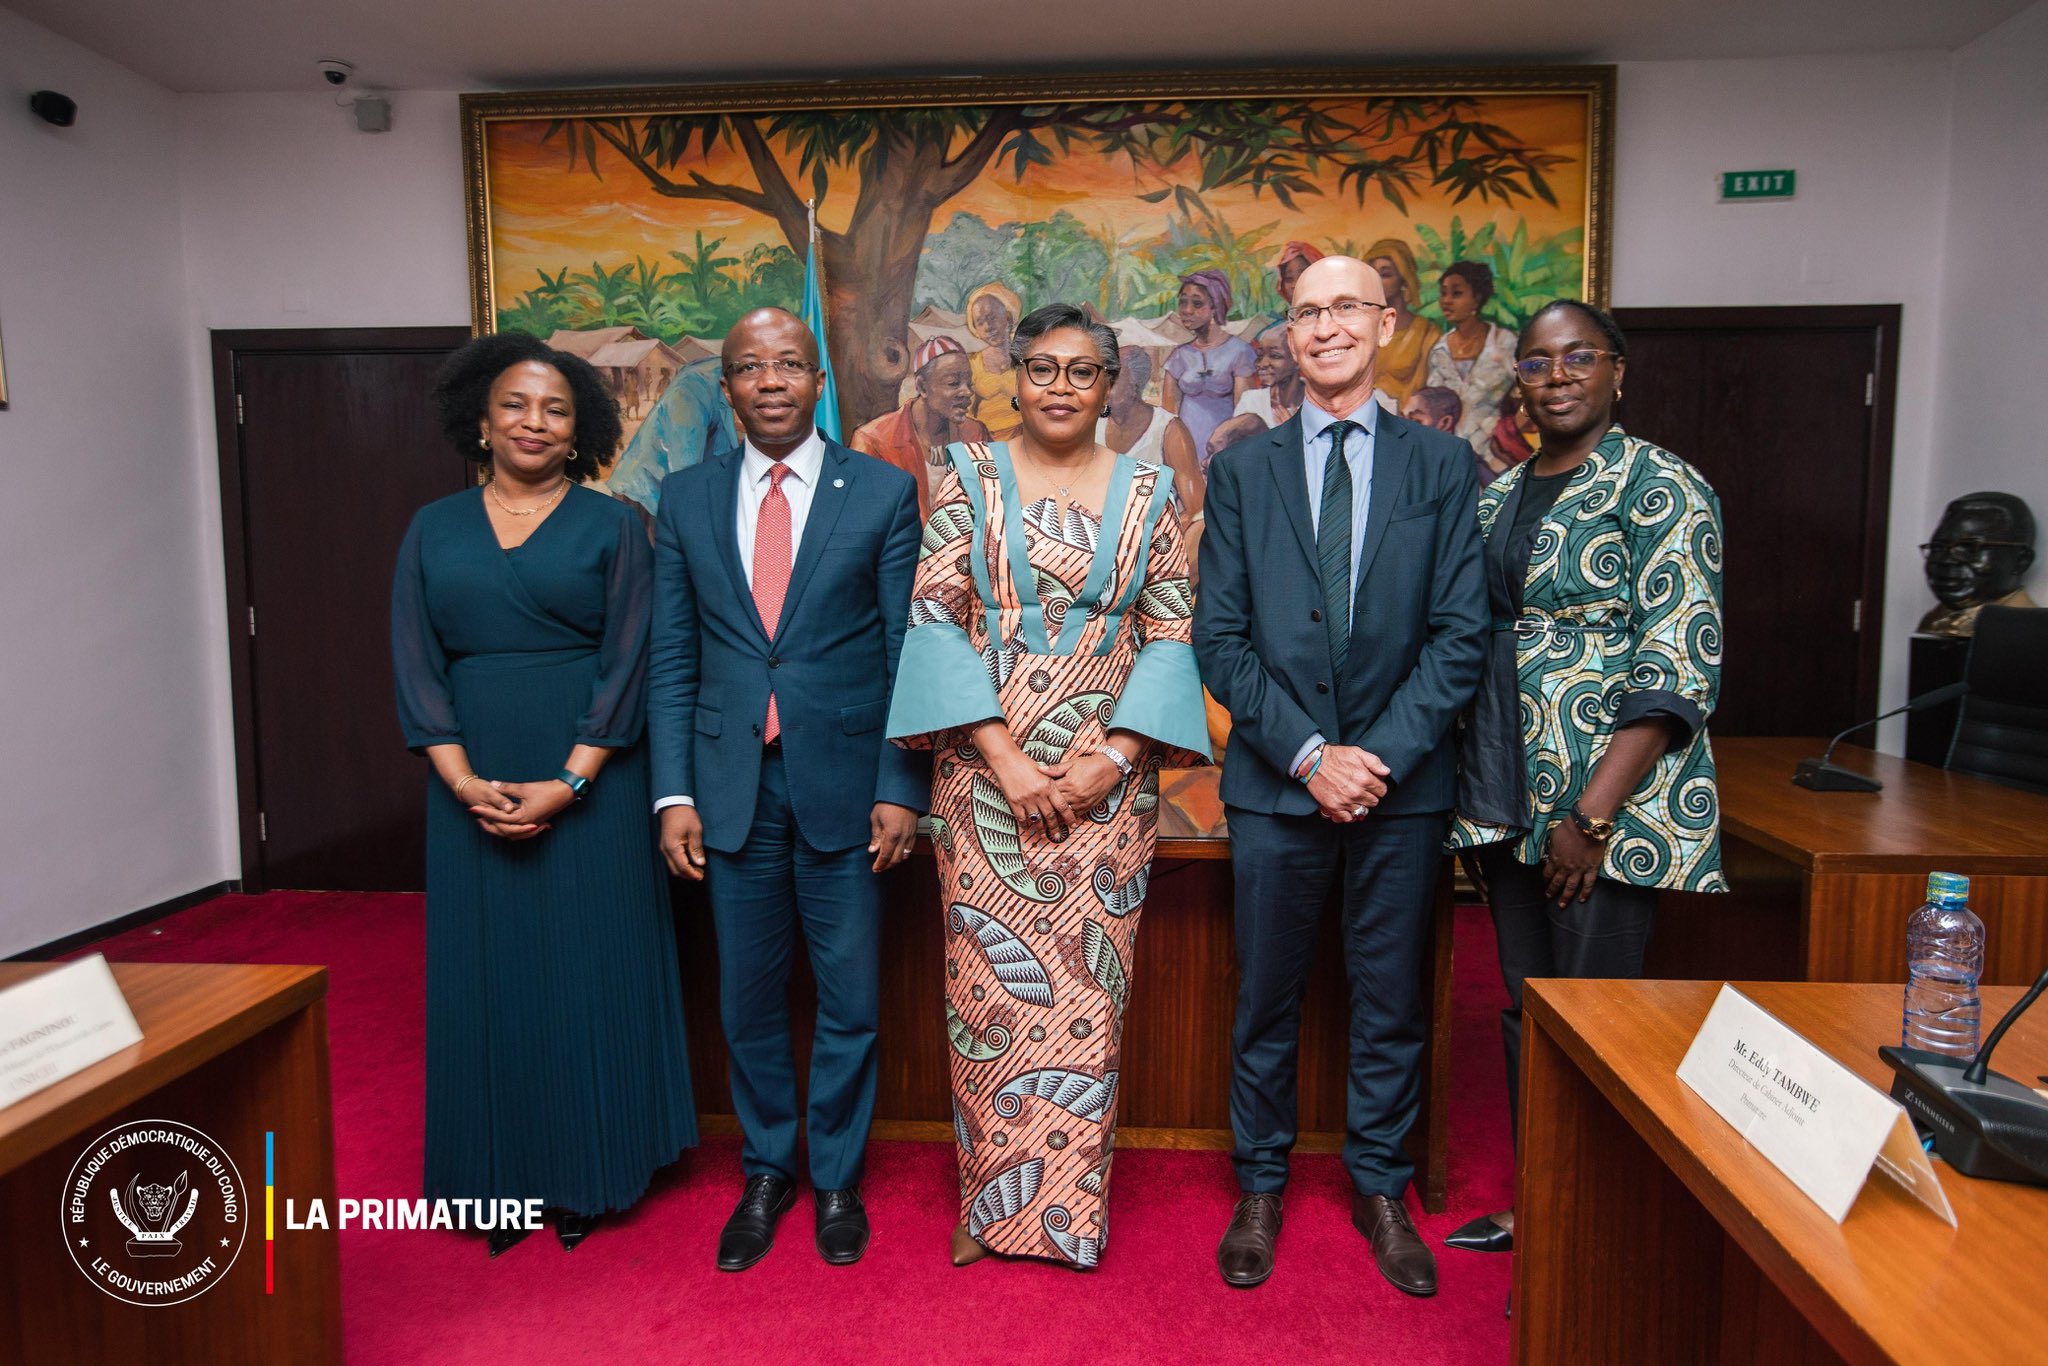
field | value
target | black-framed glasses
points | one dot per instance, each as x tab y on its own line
789	367
1082	374
1344	312
1969	550
1572	364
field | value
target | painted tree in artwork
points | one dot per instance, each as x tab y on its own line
910	162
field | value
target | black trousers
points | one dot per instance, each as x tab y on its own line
1602	936
1384	870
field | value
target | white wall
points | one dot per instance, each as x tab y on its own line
110	726
1996	289
1869	137
295	219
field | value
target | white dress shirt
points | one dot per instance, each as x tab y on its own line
806	466
1358	453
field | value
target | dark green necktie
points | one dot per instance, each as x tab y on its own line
1333	545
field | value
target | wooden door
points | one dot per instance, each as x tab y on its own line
329	445
1788	413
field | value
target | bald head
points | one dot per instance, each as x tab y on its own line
769	332
1346	277
1338	347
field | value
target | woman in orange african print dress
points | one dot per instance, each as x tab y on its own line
1046	627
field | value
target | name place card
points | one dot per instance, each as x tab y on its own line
61	1023
1819	1123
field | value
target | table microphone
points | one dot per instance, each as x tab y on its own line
1823	776
1984	1123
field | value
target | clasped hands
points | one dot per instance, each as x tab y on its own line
516	811
1051	794
1349	783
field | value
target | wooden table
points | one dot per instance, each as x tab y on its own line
1174	1090
1824	881
233	1051
1647	1230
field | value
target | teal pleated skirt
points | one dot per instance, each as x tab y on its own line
557	1067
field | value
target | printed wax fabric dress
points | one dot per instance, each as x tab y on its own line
1066	630
556	1064
1619	618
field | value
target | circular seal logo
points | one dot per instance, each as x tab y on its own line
154	1212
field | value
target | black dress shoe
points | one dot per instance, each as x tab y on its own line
1245	1256
1484	1234
1403	1258
842	1226
751	1231
504	1239
571	1229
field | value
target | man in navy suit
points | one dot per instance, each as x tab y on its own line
1341	620
782	589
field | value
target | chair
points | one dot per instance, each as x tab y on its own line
2002	730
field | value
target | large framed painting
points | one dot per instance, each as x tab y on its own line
633	227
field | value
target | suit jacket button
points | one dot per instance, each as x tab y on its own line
774	663
757	730
1315	614
1322	687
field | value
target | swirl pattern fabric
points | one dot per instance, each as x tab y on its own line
1040	943
1621	610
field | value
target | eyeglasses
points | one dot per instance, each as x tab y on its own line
1082	374
786	366
1344	311
1574	365
1969	551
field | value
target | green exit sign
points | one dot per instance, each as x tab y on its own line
1757	184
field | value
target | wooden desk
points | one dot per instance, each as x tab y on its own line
232	1051
1824	881
1174	1090
1648	1231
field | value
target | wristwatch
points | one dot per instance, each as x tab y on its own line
575	782
1116	756
1598	831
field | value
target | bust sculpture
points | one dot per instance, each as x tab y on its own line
1980	553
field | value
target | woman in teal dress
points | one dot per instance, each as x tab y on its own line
556	1062
1586	782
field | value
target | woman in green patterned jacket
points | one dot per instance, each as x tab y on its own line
1587	783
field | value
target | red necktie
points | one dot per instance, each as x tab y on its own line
772	538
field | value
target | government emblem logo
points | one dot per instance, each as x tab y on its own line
154	1212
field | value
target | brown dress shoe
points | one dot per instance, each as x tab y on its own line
1404	1259
1245	1256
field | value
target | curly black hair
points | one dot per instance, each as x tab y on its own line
1477	274
462	390
1602	320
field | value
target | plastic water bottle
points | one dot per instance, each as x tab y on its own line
1944	959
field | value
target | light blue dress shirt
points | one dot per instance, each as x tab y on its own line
1315	453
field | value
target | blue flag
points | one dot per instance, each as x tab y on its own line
813	314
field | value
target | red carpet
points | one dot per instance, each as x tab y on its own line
643	1288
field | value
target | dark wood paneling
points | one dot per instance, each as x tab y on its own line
1770	404
327	446
1175	1089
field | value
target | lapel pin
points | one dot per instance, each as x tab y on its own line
838	483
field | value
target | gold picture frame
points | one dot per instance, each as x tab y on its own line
925	204
644	151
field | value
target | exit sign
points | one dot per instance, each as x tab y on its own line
1757	184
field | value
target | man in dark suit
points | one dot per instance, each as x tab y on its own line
782	589
1341	620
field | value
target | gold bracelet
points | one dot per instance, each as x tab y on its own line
461	783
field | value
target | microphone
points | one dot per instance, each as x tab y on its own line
1823	776
1984	1123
